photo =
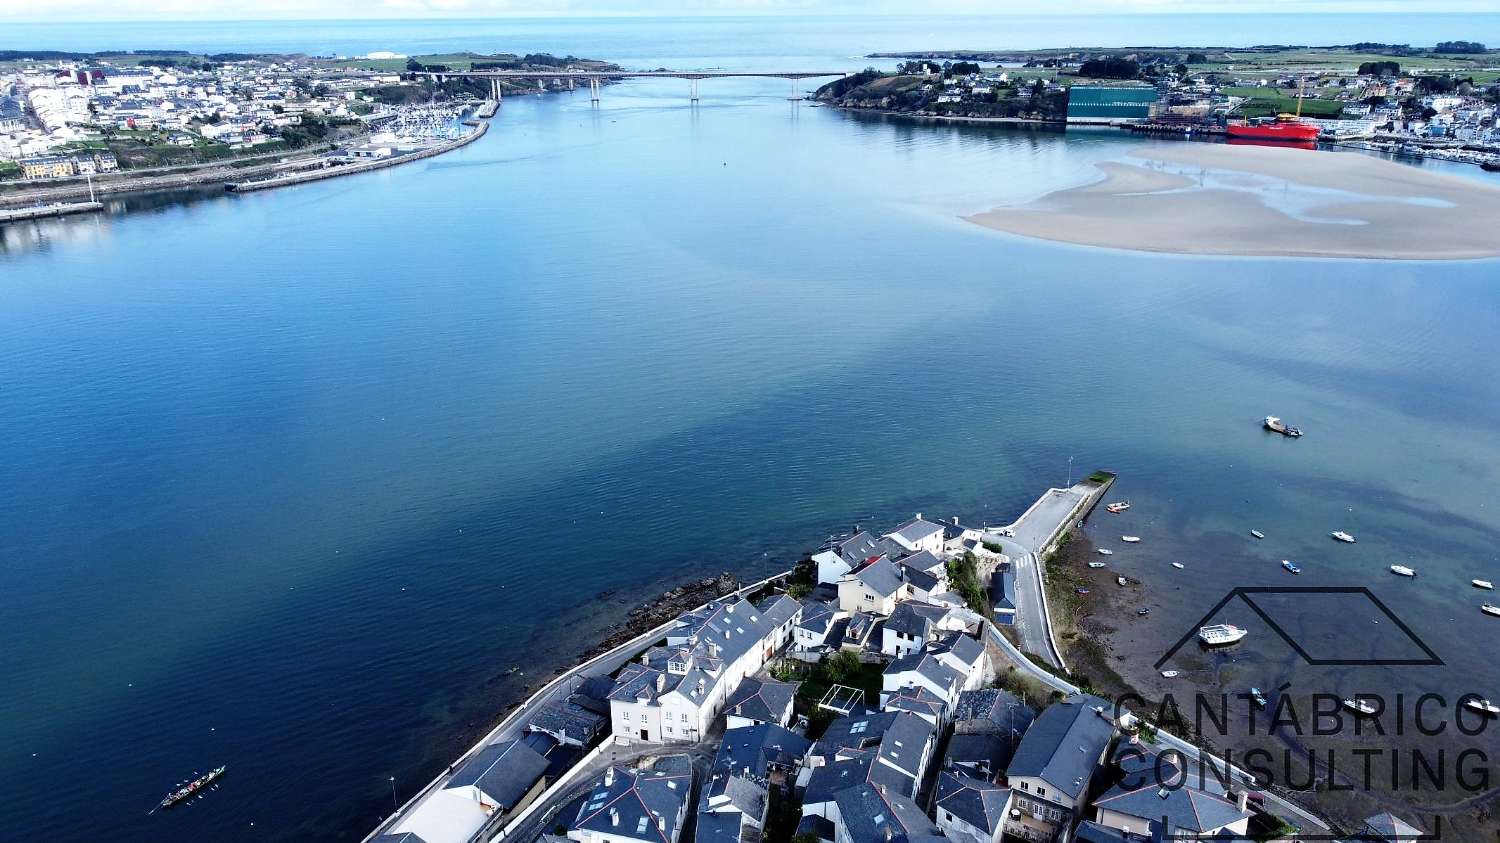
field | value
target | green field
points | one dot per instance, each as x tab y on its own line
1267	101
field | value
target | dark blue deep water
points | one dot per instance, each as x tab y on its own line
292	479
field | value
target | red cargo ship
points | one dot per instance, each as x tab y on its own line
1286	128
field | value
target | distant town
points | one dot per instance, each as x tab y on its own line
896	686
66	118
1438	102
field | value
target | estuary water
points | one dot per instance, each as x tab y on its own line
294	479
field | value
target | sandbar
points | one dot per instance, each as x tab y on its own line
1221	199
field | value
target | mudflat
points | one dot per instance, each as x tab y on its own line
1221	199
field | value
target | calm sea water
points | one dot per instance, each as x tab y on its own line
294	478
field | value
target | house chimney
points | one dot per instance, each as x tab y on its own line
645	659
614	817
1242	801
661	682
919	516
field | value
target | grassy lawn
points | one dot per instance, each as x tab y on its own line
817	682
1266	101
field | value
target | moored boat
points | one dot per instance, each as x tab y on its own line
1178	565
1122	581
1484	584
1117	506
1290	566
1403	571
1169	673
1286	127
1340	535
1130	539
1482	705
191	788
1104	551
1361	707
1143	611
1220	634
1258	534
1490	609
1276	425
1096	564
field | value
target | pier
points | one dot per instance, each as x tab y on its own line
336	170
56	209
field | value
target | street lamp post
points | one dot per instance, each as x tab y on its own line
1070	471
394	806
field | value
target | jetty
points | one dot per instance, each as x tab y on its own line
55	209
336	170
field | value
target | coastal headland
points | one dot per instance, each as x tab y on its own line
1207	199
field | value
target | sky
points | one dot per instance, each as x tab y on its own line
182	10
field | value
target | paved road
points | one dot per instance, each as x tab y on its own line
1033	531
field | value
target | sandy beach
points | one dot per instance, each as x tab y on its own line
1218	199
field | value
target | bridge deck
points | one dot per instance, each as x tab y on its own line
629	74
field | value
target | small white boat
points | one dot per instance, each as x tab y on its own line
1490	609
1169	673
1178	565
1104	551
1290	566
1258	534
1361	707
1342	536
1096	564
1402	571
1484	584
1484	706
1122	581
1221	633
1118	506
1130	539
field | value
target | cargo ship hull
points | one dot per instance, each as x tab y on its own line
1298	132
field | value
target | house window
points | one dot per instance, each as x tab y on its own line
947	817
684	717
643	717
1041	791
1025	786
669	730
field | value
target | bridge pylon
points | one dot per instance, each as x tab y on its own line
693	91
594	90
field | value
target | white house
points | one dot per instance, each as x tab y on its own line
874	588
917	534
636	806
969	810
675	692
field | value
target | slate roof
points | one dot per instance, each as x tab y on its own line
560	717
852	767
925	561
915	618
648	800
398	837
915	530
928	666
917	700
813	824
1063	744
1003	589
816	616
978	803
859	547
1185	810
880	576
502	771
719	827
779	610
1092	832
992	710
715	635
876	815
919	579
897	737
763	700
963	647
1388	826
990	750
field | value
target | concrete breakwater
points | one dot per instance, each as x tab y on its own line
350	169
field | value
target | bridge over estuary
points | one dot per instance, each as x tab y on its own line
596	77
